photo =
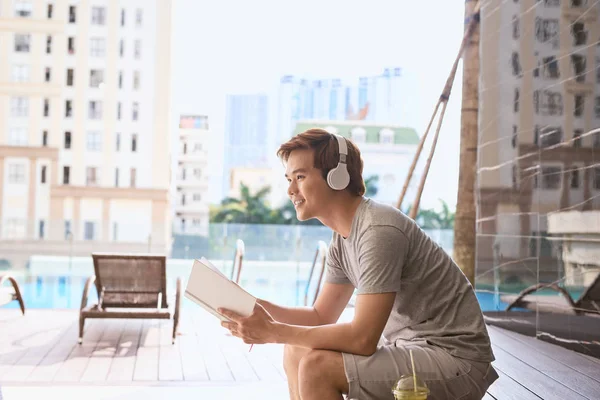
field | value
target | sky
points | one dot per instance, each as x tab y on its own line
234	47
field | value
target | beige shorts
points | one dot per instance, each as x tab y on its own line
447	377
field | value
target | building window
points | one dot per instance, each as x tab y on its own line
547	103
516	100
121	48
116	177
47	74
132	177
48	44
72	15
551	68
45	138
183	199
577	138
545	246
94	141
67	140
515	27
386	136
43	174
17	137
97	47
88	230
197	173
138	17
122	17
550	178
579	34
66	175
46	108
16	173
49	11
98	16
516	64
197	147
115	231
597	106
136	80
579	64
91	176
547	136
68	108
185	148
71	45
22	42
513	140
135	111
41	228
596	178
134	139
70	76
575	179
579	104
596	141
119	110
23	8
95	110
547	31
578	3
20	73
514	176
197	197
96	77
19	106
120	79
137	49
68	233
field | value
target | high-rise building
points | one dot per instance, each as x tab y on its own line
191	182
382	99
538	140
246	134
84	122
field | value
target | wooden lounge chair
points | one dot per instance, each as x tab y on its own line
129	286
7	295
238	258
320	256
588	303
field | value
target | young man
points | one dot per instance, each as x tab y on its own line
411	295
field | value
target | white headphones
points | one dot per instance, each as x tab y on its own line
339	178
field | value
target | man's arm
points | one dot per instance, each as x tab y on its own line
328	307
357	337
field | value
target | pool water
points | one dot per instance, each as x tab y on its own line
65	292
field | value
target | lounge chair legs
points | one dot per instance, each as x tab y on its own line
81	324
177	309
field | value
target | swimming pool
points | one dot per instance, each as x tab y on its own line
65	291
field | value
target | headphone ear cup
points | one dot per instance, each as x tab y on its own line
338	178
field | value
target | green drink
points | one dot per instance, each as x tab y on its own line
404	389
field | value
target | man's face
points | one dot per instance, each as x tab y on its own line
306	187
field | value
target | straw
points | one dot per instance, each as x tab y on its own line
412	362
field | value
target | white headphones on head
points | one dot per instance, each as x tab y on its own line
339	178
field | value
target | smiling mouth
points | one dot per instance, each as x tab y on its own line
298	202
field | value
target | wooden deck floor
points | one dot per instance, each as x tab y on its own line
40	351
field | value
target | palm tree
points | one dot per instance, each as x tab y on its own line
250	209
371	185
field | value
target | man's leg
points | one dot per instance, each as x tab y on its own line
314	373
291	361
321	375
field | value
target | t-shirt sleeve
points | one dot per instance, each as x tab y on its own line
335	273
382	253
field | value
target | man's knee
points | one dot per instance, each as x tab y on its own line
292	356
323	366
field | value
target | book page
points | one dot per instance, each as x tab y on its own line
210	289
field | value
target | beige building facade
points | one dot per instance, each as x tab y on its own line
539	143
84	127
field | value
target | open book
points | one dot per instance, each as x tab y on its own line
210	289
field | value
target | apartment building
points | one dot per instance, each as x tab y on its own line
539	152
84	142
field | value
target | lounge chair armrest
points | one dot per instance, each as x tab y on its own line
86	290
15	285
539	286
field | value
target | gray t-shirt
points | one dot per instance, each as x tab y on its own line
387	252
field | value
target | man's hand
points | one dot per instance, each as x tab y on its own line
257	328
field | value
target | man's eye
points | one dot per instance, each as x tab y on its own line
300	177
